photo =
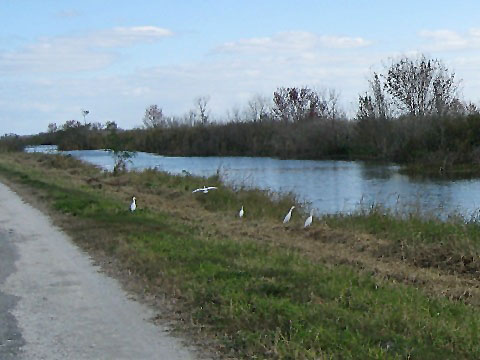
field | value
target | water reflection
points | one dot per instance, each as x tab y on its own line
328	186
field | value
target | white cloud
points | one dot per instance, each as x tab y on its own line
17	105
231	82
294	59
126	36
292	41
343	42
67	14
78	53
240	70
53	56
41	106
137	91
447	40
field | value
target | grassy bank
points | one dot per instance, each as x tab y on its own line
440	171
452	245
348	287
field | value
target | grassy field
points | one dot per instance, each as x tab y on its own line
364	286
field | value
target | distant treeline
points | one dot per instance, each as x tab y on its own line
443	140
410	113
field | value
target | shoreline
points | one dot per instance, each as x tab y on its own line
215	269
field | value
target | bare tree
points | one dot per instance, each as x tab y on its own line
201	103
190	118
234	115
372	121
421	86
258	108
472	109
305	104
111	126
329	105
52	127
153	117
295	104
71	124
375	102
96	126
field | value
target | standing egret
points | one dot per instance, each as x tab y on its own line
133	205
240	214
289	215
204	189
309	220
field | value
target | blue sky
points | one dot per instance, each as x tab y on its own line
115	58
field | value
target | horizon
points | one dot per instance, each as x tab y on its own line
116	58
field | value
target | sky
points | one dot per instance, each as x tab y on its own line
117	57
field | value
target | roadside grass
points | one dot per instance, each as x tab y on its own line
261	300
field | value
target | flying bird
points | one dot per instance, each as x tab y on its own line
133	205
205	189
241	212
289	215
309	220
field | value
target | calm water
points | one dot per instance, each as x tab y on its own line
327	186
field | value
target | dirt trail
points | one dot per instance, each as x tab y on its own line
61	306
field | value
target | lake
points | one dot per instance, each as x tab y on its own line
327	186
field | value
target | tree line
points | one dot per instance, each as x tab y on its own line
411	111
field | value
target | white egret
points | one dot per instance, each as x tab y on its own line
309	220
205	189
241	212
289	215
133	205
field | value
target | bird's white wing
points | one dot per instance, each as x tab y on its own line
211	188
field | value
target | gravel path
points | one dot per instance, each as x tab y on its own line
54	304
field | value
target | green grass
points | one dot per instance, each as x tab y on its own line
264	301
